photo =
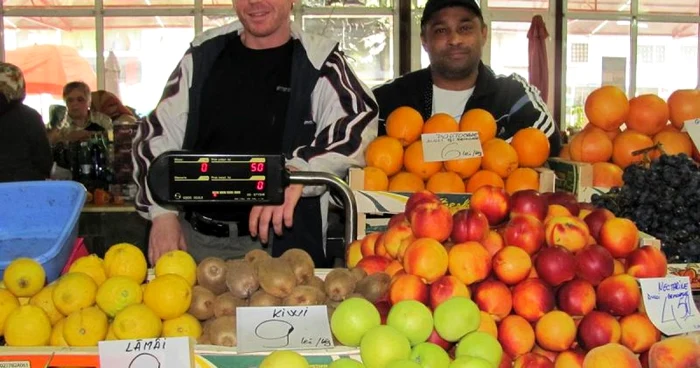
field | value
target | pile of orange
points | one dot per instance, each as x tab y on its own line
647	120
395	161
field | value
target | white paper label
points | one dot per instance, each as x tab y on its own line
669	304
168	352
692	126
451	146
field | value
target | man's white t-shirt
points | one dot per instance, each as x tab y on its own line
450	102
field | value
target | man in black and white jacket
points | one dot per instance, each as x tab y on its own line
256	86
453	34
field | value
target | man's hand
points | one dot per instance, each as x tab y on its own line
166	235
261	216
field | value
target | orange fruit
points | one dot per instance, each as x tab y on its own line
564	153
670	127
385	153
648	114
522	178
683	104
591	145
627	142
445	182
481	178
464	167
406	182
481	121
607	107
606	174
413	162
672	143
404	124
375	179
532	147
499	157
440	123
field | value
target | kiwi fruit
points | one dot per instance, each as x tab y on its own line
202	305
316	282
211	273
358	273
276	277
339	284
301	263
241	279
256	255
304	295
226	304
330	303
261	298
222	331
374	286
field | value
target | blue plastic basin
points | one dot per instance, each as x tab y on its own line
39	220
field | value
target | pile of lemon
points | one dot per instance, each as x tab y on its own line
98	300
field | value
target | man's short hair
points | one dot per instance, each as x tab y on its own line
79	85
434	6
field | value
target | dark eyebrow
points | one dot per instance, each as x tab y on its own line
471	19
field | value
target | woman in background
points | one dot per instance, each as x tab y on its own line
80	122
24	147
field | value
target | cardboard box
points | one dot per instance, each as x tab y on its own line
692	270
571	177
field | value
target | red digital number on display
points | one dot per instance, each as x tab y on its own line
260	185
204	167
257	167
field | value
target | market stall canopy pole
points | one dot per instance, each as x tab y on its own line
47	68
538	69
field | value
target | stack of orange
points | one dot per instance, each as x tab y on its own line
648	119
395	161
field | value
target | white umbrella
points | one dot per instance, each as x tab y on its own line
112	74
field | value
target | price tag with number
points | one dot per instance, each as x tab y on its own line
669	304
451	146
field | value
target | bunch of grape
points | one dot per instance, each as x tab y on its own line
664	201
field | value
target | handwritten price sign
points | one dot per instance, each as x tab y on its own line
692	126
451	146
286	328
176	352
669	304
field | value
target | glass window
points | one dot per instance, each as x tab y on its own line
366	41
598	6
218	3
509	47
147	50
214	21
527	4
349	3
579	53
689	7
51	52
41	4
664	64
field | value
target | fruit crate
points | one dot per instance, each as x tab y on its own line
374	208
572	177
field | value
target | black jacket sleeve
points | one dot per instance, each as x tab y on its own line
39	141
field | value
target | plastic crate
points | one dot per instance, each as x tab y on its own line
39	220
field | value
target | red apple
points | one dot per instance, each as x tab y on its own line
595	221
555	265
469	225
417	198
594	263
528	202
526	232
566	200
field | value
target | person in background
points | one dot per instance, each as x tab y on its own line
257	86
80	122
24	147
109	104
453	33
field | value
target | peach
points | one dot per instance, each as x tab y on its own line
373	264
395	236
469	262
675	352
526	232
532	360
644	359
576	297
638	333
398	219
445	288
408	287
533	274
568	232
619	236
493	297
569	359
353	253
596	329
487	324
618	267
555	265
512	265
439	341
611	355
594	263
618	295
647	261
421	196
393	267
528	202
431	220
493	242
469	225
551	355
369	243
583	213
532	299
494	202
506	361
379	248
595	221
567	200
516	335
556	210
555	331
426	258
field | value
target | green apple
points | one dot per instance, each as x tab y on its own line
481	345
346	363
456	317
429	355
470	362
284	359
403	363
413	319
352	318
382	345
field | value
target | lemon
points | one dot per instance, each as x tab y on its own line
125	259
27	325
85	327
284	359
117	293
44	300
169	296
178	262
23	300
92	266
74	291
185	325
137	321
110	333
57	338
24	277
8	303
